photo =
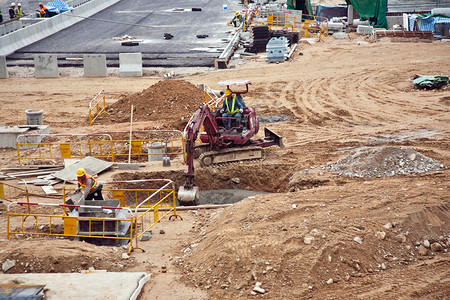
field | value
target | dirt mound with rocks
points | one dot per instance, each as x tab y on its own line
169	102
384	162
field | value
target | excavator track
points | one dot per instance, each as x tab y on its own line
231	155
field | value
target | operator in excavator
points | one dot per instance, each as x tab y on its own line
92	188
233	107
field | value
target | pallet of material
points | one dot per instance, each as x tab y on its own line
407	34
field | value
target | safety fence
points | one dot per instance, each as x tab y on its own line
12	193
100	145
289	20
66	222
97	107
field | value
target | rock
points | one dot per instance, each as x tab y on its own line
388	225
125	256
401	238
436	247
146	236
308	239
381	235
330	281
412	156
235	180
426	244
162	232
8	264
258	289
422	250
358	240
383	266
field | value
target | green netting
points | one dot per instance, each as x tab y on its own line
430	82
303	5
372	10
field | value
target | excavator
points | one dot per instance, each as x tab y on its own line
224	145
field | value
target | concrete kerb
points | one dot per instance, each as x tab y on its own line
23	37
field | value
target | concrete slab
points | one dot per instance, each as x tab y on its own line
9	134
3	68
46	66
130	64
91	285
94	65
92	165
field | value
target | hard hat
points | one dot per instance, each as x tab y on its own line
237	13
40	3
81	172
18	4
227	92
13	4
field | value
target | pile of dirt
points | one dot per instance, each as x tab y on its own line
67	257
384	162
170	102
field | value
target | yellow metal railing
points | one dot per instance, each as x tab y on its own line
289	20
160	203
99	145
12	193
97	107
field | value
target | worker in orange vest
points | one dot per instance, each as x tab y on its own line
92	189
42	11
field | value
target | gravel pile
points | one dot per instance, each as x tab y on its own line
384	162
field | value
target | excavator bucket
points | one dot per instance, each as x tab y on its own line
188	196
273	137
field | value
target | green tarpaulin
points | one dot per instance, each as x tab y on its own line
430	82
372	10
303	5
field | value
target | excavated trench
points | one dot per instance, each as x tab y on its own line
229	184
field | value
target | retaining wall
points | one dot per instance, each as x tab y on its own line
25	36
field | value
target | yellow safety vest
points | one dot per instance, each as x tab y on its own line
83	184
233	110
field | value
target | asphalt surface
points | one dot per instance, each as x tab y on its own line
147	21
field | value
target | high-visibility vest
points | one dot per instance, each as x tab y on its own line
83	184
19	11
233	109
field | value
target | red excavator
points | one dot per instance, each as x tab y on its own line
223	144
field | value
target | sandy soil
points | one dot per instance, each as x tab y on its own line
319	233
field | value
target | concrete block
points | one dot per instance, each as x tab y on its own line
130	64
94	65
3	68
363	29
45	65
9	134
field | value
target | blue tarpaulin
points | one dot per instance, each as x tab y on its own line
58	6
426	23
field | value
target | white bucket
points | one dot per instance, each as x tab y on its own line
225	7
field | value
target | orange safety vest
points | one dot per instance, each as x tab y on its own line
233	110
83	184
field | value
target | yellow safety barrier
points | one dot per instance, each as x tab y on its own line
159	203
61	225
97	107
100	145
151	216
12	193
95	145
289	20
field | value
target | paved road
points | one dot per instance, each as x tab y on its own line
148	21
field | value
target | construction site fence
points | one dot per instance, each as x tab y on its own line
289	20
39	221
97	107
99	145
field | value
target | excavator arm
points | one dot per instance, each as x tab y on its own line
188	193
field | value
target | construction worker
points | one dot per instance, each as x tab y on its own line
237	18
12	11
232	107
1	16
92	190
42	11
19	11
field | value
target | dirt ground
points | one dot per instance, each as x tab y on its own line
358	200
